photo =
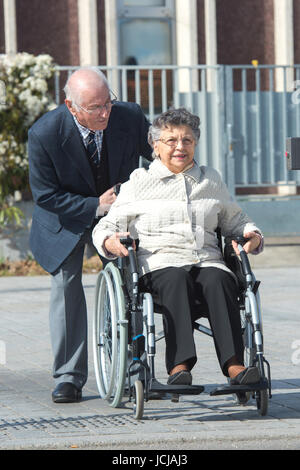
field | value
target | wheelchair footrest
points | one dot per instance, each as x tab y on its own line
155	386
229	389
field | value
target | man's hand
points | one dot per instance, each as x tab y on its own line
108	197
115	247
251	245
105	201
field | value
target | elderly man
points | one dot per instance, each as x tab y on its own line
77	153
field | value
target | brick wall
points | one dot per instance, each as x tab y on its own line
49	27
245	31
101	32
297	31
2	38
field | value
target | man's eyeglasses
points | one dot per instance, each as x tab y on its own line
186	142
96	109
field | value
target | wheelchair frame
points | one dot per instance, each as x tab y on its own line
124	338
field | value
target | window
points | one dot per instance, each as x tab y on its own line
144	3
146	38
145	42
146	31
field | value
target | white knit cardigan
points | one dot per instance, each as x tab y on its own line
174	216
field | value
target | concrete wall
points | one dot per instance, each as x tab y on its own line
276	217
14	242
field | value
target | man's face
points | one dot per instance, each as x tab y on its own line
94	108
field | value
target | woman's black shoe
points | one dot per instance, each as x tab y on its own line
248	376
183	377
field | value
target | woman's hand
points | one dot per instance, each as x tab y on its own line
251	245
115	247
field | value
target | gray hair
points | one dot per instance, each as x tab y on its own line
173	117
72	94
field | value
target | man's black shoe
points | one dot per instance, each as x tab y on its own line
66	392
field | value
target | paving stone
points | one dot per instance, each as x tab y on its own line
29	418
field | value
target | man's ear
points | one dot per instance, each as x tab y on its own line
69	105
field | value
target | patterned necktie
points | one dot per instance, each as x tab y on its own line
92	148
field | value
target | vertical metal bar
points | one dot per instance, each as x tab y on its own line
258	128
230	164
297	110
56	86
176	88
137	84
284	123
297	86
244	110
108	76
124	84
216	116
190	94
203	157
271	126
296	107
164	90
151	95
220	99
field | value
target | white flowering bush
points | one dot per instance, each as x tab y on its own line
25	95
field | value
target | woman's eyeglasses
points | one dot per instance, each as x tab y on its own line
172	142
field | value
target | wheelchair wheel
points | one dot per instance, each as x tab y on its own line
262	402
110	335
253	308
138	404
249	347
253	312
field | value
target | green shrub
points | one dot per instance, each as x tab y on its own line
25	95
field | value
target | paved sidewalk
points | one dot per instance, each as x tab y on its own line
29	419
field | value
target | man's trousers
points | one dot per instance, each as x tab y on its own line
68	319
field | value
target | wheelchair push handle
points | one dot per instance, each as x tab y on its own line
244	257
128	242
237	238
240	240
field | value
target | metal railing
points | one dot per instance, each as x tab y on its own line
145	83
246	112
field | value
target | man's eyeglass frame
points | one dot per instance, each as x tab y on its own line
107	106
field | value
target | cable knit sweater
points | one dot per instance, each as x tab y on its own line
174	216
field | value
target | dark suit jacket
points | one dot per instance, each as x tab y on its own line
61	178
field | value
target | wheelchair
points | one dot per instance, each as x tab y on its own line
124	339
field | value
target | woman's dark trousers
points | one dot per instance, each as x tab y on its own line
180	294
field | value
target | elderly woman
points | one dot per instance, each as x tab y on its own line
174	208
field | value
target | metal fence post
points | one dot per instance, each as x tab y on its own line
230	164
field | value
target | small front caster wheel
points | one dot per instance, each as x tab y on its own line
138	404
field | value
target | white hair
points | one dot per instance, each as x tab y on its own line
72	93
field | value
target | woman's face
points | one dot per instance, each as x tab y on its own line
176	148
